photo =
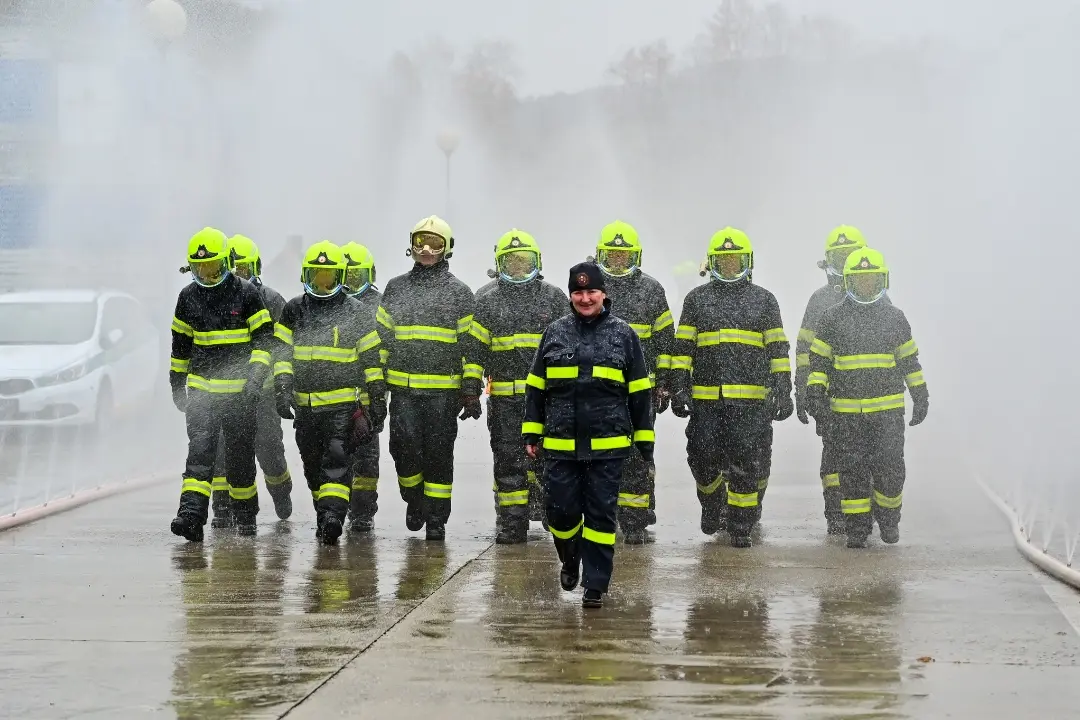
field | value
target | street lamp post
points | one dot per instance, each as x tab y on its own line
448	141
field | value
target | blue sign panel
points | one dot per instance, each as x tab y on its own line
27	120
21	208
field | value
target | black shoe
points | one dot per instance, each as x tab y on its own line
650	517
856	541
568	576
741	541
245	525
634	537
223	521
187	528
331	530
362	525
436	531
890	535
592	599
835	527
414	517
511	533
283	507
710	523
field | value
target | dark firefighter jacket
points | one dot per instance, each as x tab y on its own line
587	392
370	300
822	299
328	352
221	337
275	303
422	319
640	300
731	344
505	333
862	356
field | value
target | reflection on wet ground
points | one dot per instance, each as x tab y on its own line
105	614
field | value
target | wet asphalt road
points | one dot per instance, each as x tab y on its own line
104	614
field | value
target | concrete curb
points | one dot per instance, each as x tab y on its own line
1045	562
77	499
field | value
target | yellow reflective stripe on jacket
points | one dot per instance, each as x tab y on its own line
211	385
644	436
822	348
284	334
730	335
373	375
519	341
324	353
283	367
729	392
682	362
505	388
178	365
532	428
634	500
639	385
867	405
562	373
915	379
537	382
817	378
644	332
480	332
686	332
595	536
260	356
222	337
419	381
807	336
258	319
905	350
473	371
663	362
775	335
601	443
864	362
429	333
464	324
384	355
438	491
802	360
179	326
607	373
516	497
368	342
383	318
780	365
328	397
663	321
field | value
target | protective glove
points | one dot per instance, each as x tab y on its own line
782	407
817	406
800	408
661	399
283	400
361	428
180	398
646	450
252	392
681	405
470	407
919	411
377	411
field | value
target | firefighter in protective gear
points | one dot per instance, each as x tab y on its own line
861	358
423	318
840	243
732	374
245	262
505	333
364	500
221	341
588	396
640	301
329	355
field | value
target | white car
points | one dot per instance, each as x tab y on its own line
75	357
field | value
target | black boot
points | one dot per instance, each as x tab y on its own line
511	530
570	572
741	541
711	521
361	524
187	527
889	534
856	541
592	599
414	516
283	506
331	529
634	536
223	520
834	526
436	530
245	524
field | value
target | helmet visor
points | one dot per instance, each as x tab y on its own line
835	259
321	281
618	262
210	273
426	243
730	266
865	287
357	278
244	269
519	266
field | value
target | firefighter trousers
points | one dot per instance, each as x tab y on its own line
870	461
729	451
518	493
423	430
830	479
214	419
364	501
321	438
269	451
582	500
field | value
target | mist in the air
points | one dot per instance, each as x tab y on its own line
944	130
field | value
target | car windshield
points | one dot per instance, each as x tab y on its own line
47	323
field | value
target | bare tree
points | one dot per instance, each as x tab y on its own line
645	66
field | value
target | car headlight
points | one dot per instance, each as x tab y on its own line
68	374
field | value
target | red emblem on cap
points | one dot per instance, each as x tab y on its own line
583	280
